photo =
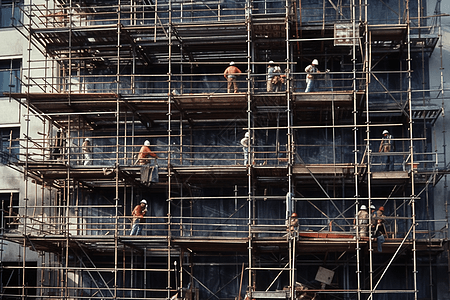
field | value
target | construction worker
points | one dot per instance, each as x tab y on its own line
270	76
278	79
363	221
310	70
373	214
138	217
87	151
379	215
144	153
293	223
379	234
231	74
387	145
58	149
245	143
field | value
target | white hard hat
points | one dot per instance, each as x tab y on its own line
232	63
385	132
87	139
247	134
363	207
315	62
271	62
372	206
146	143
144	201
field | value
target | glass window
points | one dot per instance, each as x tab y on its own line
9	144
10	75
10	13
10	203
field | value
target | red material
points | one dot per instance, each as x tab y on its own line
326	235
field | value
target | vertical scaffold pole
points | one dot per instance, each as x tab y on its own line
367	145
290	150
116	237
27	145
169	133
355	138
411	151
248	20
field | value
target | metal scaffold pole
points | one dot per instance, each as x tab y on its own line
366	63
250	200
117	156
411	150
27	145
169	153
355	33
291	156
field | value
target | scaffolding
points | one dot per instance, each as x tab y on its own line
218	223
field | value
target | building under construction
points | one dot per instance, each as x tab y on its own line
101	78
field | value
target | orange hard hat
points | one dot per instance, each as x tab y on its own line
293	215
381	208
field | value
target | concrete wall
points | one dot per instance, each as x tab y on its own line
13	46
440	133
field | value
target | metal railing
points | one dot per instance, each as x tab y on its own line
182	84
104	224
103	153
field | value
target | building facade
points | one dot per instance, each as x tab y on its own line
239	151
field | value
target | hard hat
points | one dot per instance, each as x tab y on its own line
294	215
363	207
87	139
144	201
372	206
247	134
271	62
146	143
232	63
315	62
385	132
381	208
